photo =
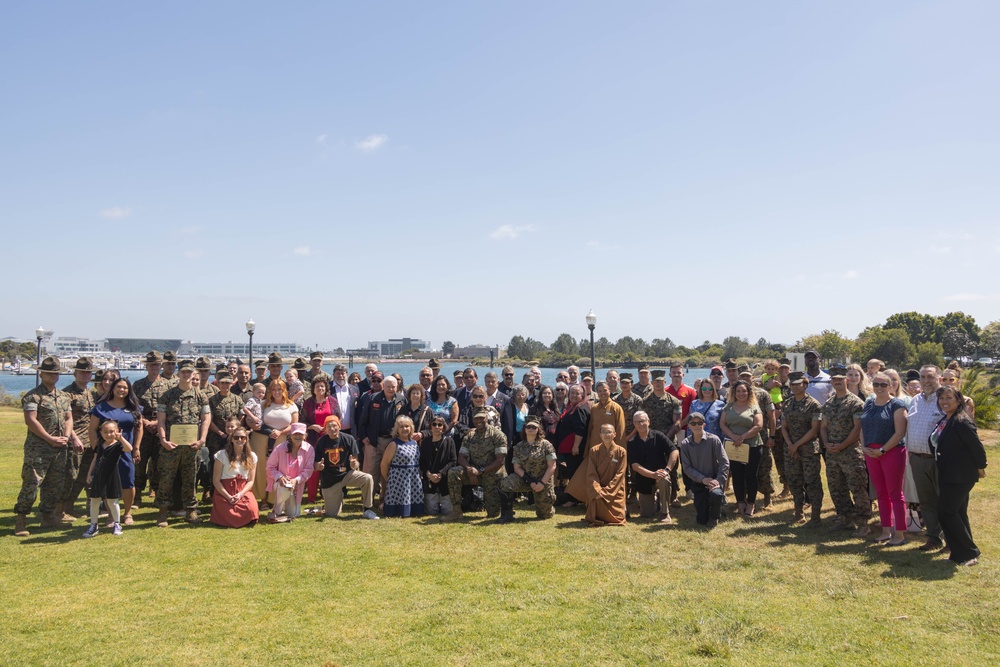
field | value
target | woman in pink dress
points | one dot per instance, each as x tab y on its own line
234	505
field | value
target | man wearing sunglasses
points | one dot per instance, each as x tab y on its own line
705	461
800	417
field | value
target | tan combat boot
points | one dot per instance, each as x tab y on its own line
162	516
20	529
192	516
51	520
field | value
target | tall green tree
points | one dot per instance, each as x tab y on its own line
735	346
892	346
661	348
957	343
829	343
447	347
961	321
564	344
920	327
989	339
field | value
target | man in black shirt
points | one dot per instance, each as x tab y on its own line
651	456
337	463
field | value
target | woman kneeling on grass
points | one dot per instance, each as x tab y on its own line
234	505
289	466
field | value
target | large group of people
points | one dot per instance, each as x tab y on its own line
262	447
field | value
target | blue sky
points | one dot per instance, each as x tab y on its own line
471	171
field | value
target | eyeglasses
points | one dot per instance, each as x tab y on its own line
478	396
560	389
716	375
707	388
238	438
696	423
508	375
437	425
880	384
948	380
531	426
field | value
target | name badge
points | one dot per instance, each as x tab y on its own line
614	460
608	413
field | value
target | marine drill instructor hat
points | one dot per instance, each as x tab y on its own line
154	357
185	364
202	364
299	364
83	364
274	359
170	357
49	364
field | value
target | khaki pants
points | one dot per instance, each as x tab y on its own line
258	445
373	461
647	501
333	496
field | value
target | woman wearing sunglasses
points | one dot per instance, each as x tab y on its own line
709	405
883	427
234	505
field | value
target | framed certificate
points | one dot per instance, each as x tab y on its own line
184	434
739	454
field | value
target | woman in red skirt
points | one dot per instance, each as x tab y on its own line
233	505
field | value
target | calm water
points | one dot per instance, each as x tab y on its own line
15	384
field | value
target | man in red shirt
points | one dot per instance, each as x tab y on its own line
686	396
681	391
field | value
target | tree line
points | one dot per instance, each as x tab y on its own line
904	340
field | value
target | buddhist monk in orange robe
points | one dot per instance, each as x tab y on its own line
606	467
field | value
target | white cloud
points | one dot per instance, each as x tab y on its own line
510	232
194	254
941	250
321	139
851	275
969	296
302	250
597	245
192	229
372	142
116	212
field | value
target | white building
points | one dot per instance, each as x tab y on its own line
395	346
64	345
231	349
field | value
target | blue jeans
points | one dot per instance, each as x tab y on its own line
707	504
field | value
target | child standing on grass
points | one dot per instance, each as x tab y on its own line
104	483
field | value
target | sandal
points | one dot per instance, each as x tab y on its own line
128	521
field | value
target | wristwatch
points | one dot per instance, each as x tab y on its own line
882	449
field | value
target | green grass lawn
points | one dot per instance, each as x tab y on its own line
415	592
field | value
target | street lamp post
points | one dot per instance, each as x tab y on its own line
39	335
251	325
591	323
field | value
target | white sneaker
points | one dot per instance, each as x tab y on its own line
368	514
117	530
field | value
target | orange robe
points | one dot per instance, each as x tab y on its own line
607	413
606	485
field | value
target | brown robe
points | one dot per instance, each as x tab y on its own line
606	485
599	417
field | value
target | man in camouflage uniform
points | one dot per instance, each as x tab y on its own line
534	472
846	473
147	392
79	457
260	370
275	365
800	416
765	483
314	371
223	404
48	414
480	461
644	388
778	451
204	367
630	403
169	368
663	409
181	404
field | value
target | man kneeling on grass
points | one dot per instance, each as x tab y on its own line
337	461
705	462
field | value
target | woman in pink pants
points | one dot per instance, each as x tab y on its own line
883	427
